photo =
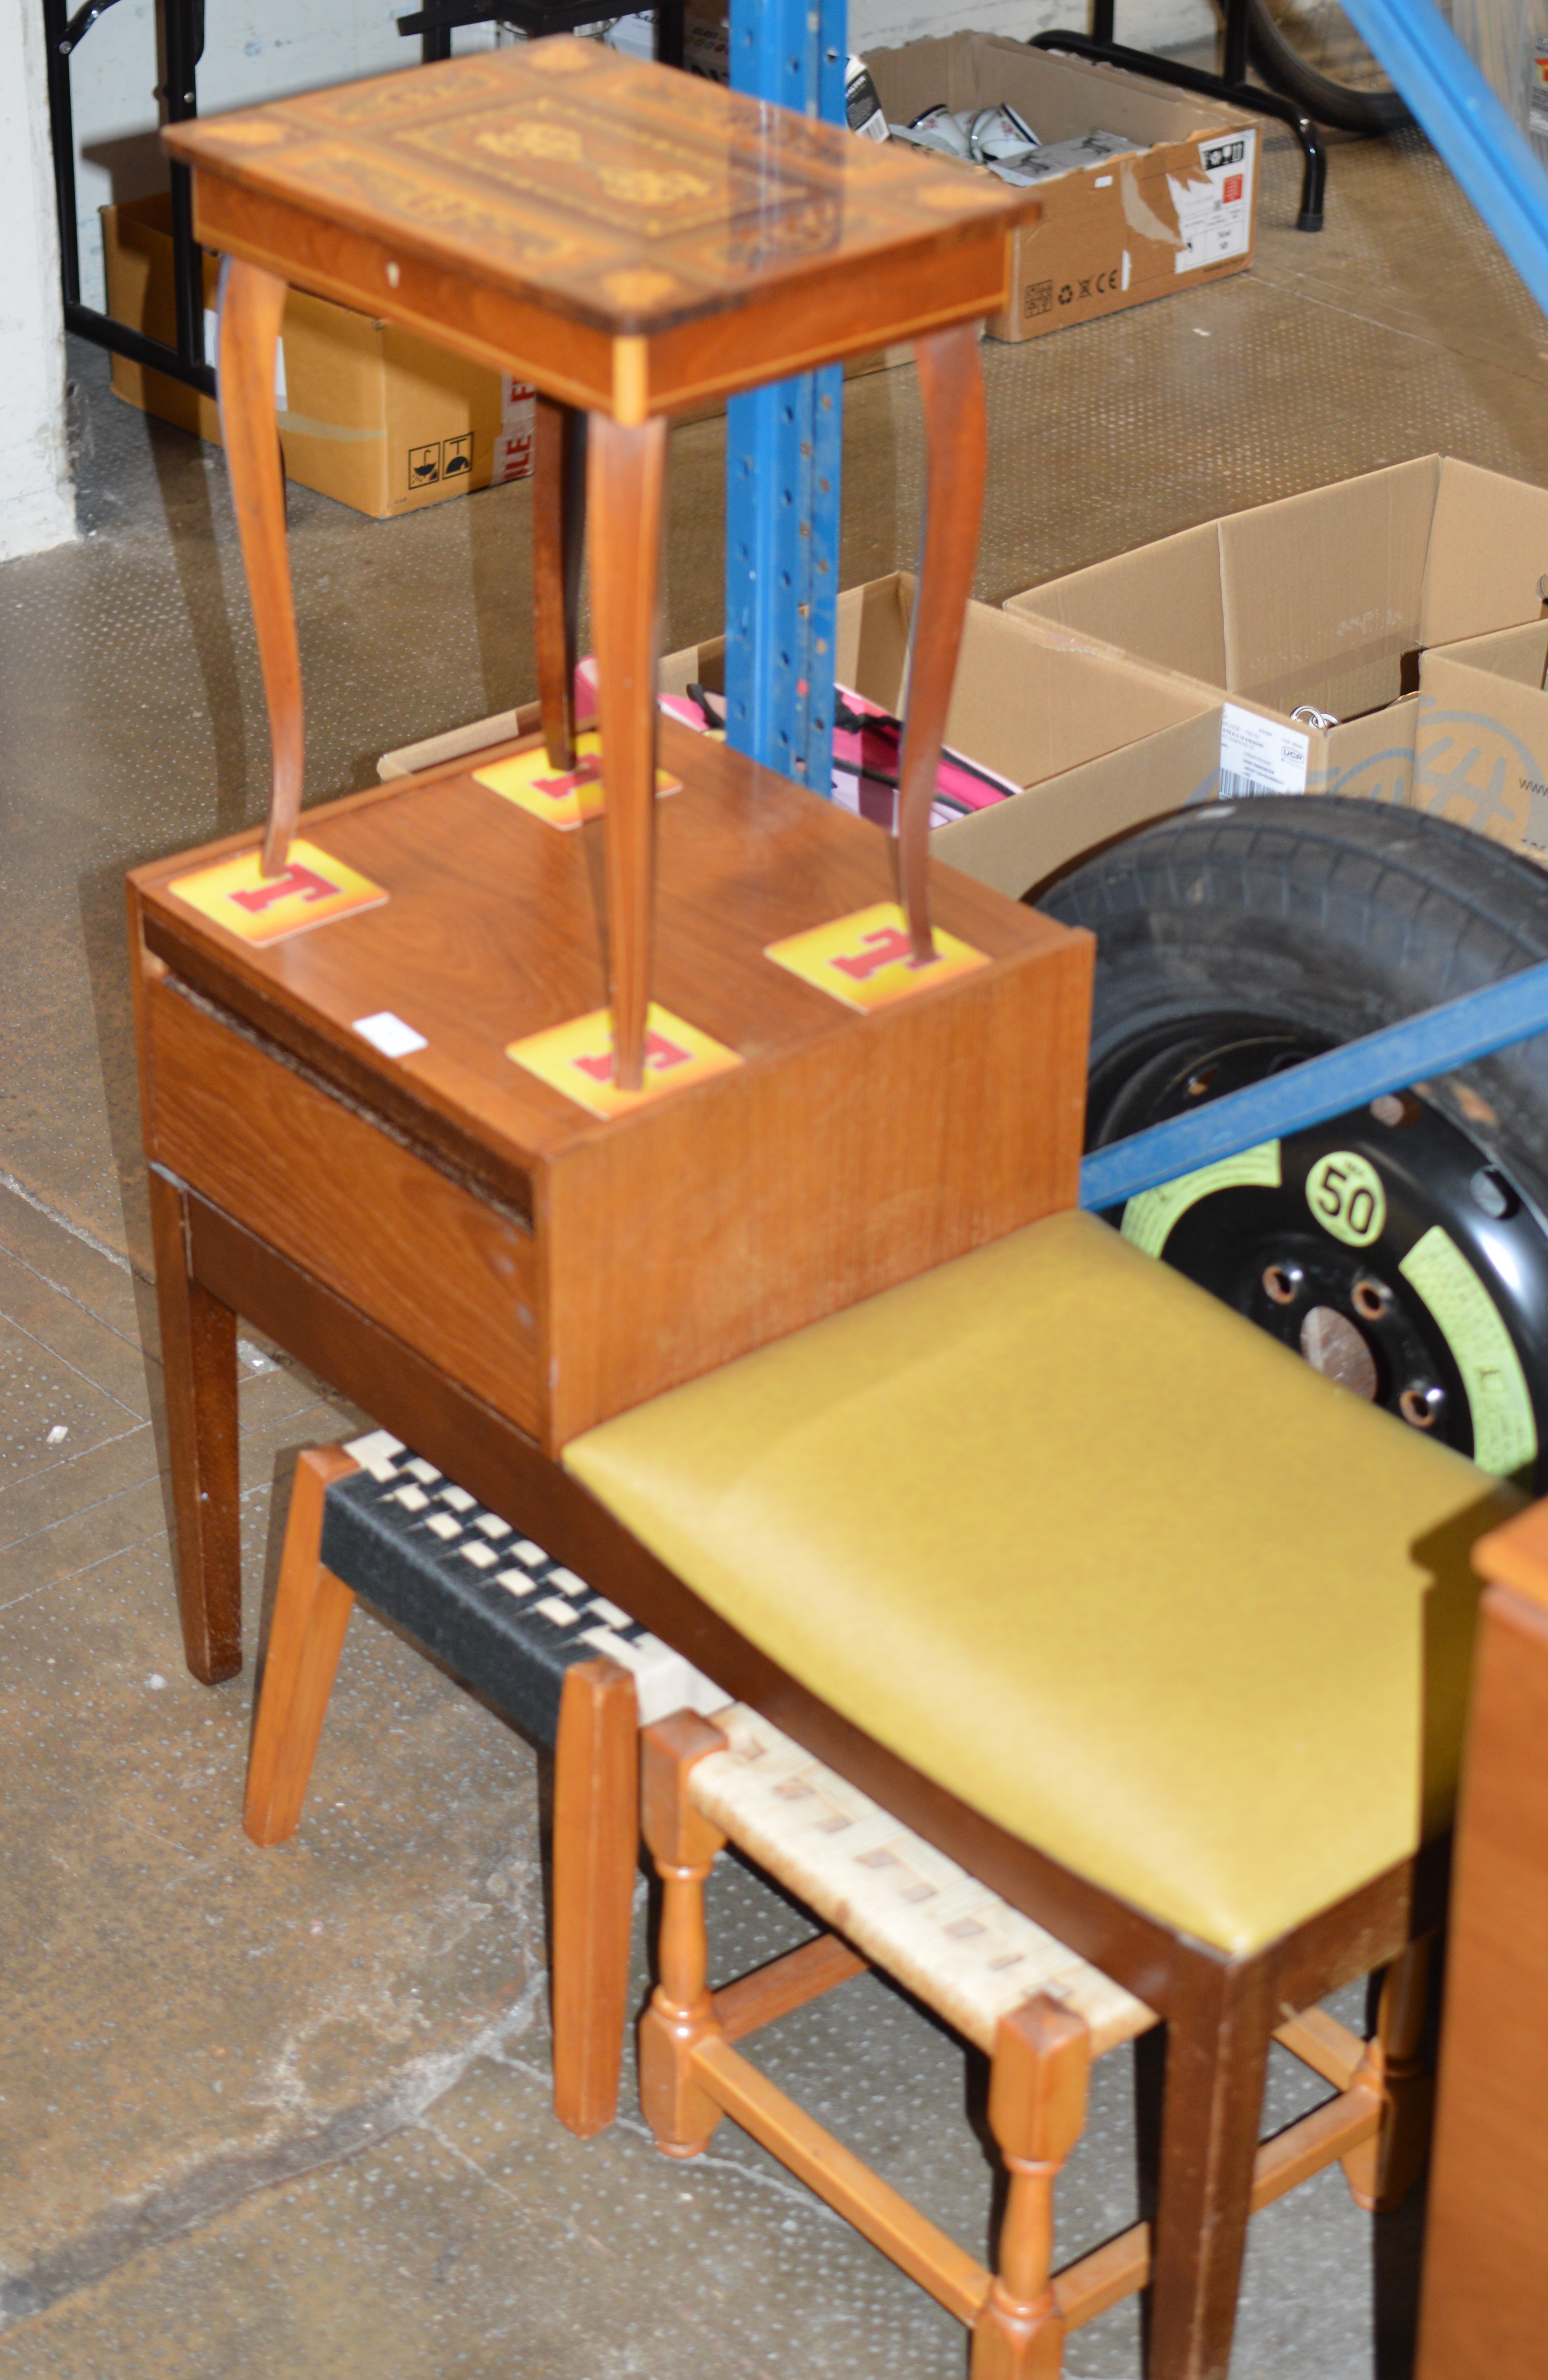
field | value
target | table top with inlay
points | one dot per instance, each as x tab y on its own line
537	206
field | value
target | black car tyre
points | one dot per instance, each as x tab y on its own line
1235	939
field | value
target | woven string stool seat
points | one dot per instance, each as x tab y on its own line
374	1520
1040	2012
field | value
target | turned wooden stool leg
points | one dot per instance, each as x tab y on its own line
306	1633
1037	2108
596	1849
626	470
198	1373
683	1844
1382	2170
251	311
558	545
951	392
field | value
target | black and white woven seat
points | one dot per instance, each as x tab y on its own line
483	1598
372	1520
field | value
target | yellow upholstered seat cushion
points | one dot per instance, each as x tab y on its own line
1098	1556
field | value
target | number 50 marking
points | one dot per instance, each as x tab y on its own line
1345	1194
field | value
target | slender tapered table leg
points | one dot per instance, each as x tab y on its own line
951	392
625	471
251	311
558	546
199	1366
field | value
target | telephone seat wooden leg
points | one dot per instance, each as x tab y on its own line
198	1371
626	474
305	1636
1216	2065
558	546
1382	2170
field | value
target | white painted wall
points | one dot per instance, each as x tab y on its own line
36	505
1147	24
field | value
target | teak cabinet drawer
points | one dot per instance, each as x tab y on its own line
449	1273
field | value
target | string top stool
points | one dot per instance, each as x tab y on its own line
631	240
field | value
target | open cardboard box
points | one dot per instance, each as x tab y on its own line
1181	209
1326	599
1100	743
369	413
1481	750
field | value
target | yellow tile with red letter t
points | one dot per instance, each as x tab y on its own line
561	797
311	890
578	1058
866	959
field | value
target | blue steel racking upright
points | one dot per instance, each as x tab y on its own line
783	451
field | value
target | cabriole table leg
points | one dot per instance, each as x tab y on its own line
558	544
626	470
951	392
252	314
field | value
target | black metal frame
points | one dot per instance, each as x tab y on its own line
1231	84
180	41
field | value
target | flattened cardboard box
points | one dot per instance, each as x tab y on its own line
1181	210
369	414
1324	600
1481	749
1100	744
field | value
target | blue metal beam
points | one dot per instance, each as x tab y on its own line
1393	1059
1490	156
783	447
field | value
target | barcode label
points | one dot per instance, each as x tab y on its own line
1260	756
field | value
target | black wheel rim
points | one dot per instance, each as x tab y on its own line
1385	1246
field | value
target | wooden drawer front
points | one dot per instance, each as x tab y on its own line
448	1274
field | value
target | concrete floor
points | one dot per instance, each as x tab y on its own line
286	2112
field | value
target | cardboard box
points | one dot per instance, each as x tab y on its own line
1326	599
369	414
1101	743
1481	755
1180	211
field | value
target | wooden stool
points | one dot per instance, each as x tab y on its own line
371	1520
1041	2013
631	240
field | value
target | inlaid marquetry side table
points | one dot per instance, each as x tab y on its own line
631	240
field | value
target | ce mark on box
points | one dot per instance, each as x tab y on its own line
443	458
